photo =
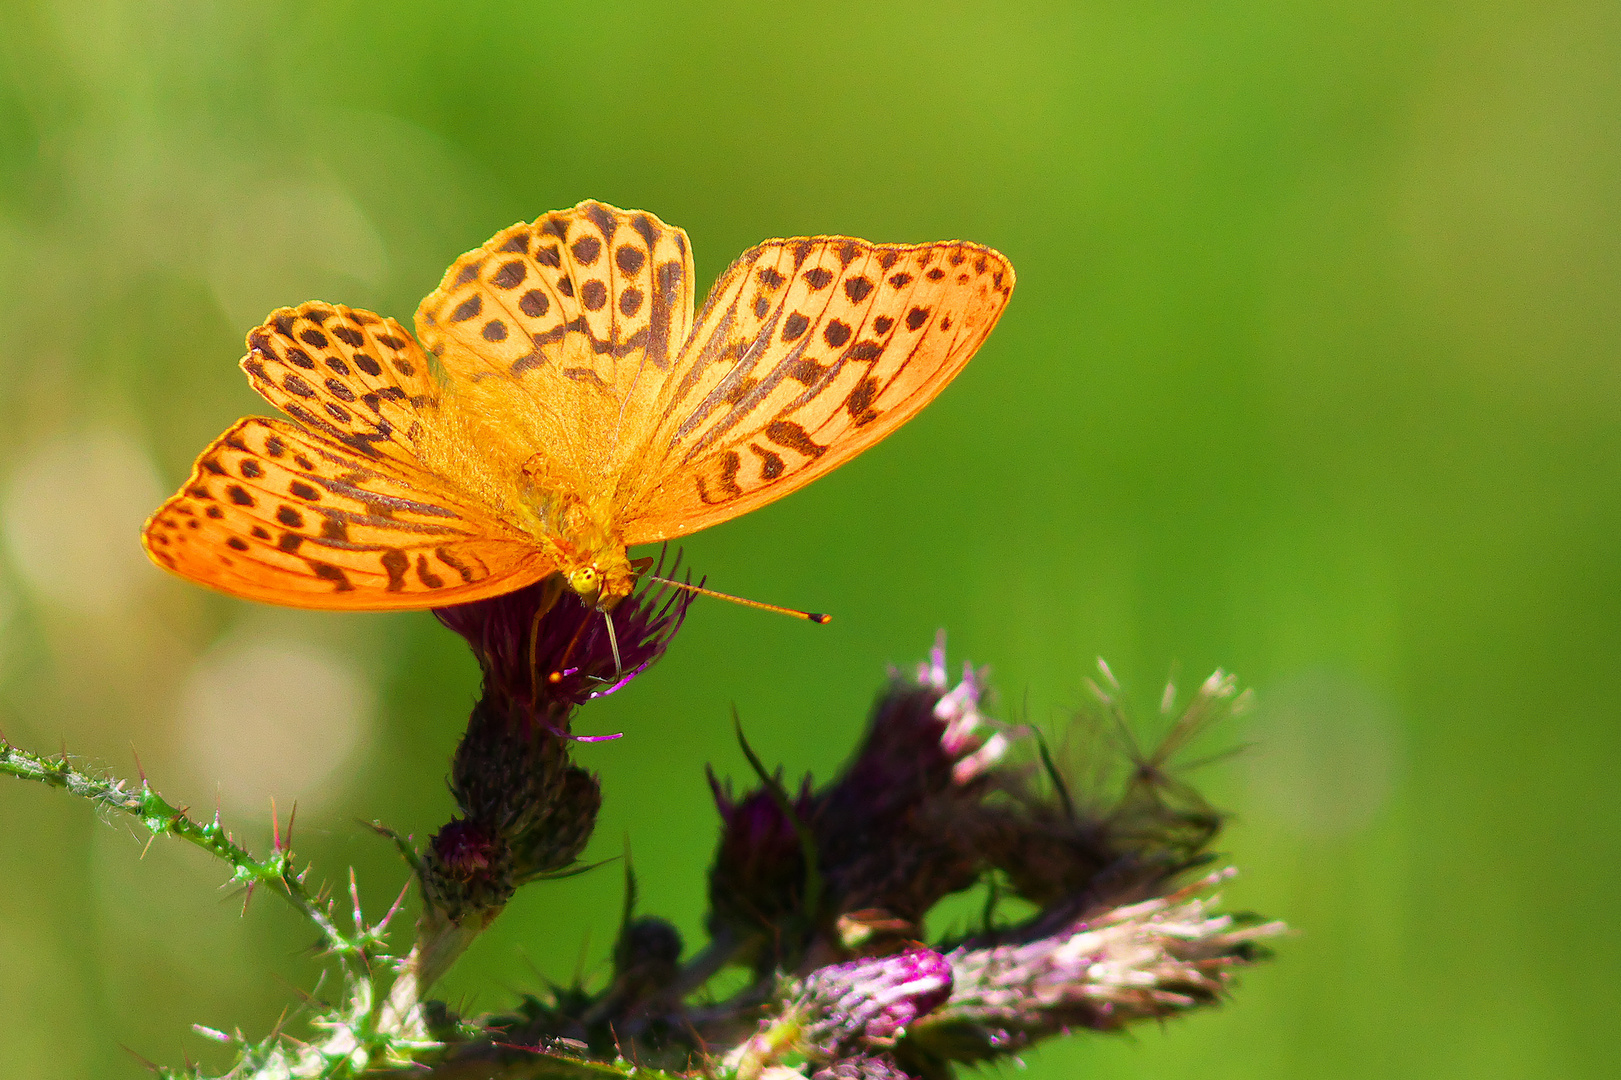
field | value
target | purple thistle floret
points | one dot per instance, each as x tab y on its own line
865	1067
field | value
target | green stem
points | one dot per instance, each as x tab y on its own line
277	871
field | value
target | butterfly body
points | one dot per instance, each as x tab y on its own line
563	405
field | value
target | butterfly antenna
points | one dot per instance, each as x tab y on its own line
809	616
613	642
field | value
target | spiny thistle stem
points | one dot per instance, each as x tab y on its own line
278	871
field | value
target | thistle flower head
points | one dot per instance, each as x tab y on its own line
528	811
927	736
846	1016
901	827
542	647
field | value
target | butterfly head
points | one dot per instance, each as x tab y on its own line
602	582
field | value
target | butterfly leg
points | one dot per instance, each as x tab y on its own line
551	587
562	664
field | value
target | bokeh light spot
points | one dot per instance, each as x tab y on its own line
274	717
1326	755
71	513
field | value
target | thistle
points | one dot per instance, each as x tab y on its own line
818	895
526	811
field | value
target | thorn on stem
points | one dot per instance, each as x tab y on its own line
354	895
394	909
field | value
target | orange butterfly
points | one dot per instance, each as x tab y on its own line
567	407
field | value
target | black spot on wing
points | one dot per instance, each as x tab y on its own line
789	434
645	229
859	403
771	463
509	276
602	219
395	562
630	259
585	250
427	576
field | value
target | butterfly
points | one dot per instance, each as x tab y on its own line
559	404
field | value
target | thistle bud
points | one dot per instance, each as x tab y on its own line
646	958
467	868
758	876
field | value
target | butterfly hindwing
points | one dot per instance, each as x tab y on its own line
274	513
355	377
806	352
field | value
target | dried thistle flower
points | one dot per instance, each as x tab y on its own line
1142	961
866	1003
1114	821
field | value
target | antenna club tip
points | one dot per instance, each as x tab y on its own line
818	617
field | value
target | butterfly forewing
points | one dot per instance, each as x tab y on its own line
807	352
274	513
584	311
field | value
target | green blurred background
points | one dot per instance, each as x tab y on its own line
1311	374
